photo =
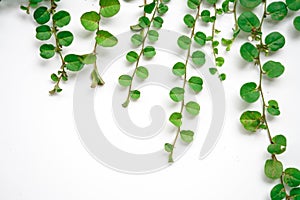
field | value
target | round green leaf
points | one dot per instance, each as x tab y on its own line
247	21
132	56
220	61
189	20
296	23
198	57
200	38
196	83
149	7
249	92
184	42
273	169
125	80
211	1
168	147
142	72
193	108
106	39
250	3
177	94
273	108
153	35
109	8
137	39
90	20
251	120
175	119
88	59
187	136
65	38
249	52
278	146
295	194
43	32
293	4
205	16
179	69
278	192
292	177
162	9
41	15
273	69
275	41
47	51
158	22
61	18
144	22
193	4
149	52
135	94
73	62
277	10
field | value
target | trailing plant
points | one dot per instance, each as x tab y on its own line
30	4
91	22
146	28
195	83
253	121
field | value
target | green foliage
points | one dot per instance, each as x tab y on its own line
65	38
149	7
296	23
273	169
142	72
106	39
249	92
137	39
175	119
169	147
278	192
200	38
275	41
273	108
251	120
192	107
293	4
41	15
250	3
189	20
158	22
249	52
278	10
184	42
61	18
273	69
196	84
179	69
193	4
177	94
198	57
73	62
149	52
153	35
109	8
47	51
248	21
43	32
90	20
135	94
295	194
292	177
278	146
132	56
125	80
187	136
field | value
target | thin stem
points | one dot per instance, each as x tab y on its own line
236	27
125	104
185	82
213	31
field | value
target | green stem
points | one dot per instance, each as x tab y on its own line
184	82
213	31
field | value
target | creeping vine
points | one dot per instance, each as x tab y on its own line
289	178
178	94
156	9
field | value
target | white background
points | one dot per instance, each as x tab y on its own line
41	156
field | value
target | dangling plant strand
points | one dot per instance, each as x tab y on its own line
30	4
91	22
156	9
289	179
177	94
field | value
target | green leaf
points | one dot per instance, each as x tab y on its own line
273	169
198	57
65	38
41	15
278	192
220	61
175	119
193	108
273	108
278	146
295	194
249	92
137	39
222	77
149	52
292	177
144	22
278	10
109	8
213	71
273	69
149	7
88	59
184	42
193	4
135	94
205	16
211	1
275	41
43	32
136	27
47	51
142	72
187	136
251	120
90	20
196	83
158	22
106	39
248	21
177	94
54	77
162	9
169	147
189	20
153	35
250	3
132	56
296	23
200	38
293	4
125	80
179	69
249	52
73	62
61	18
